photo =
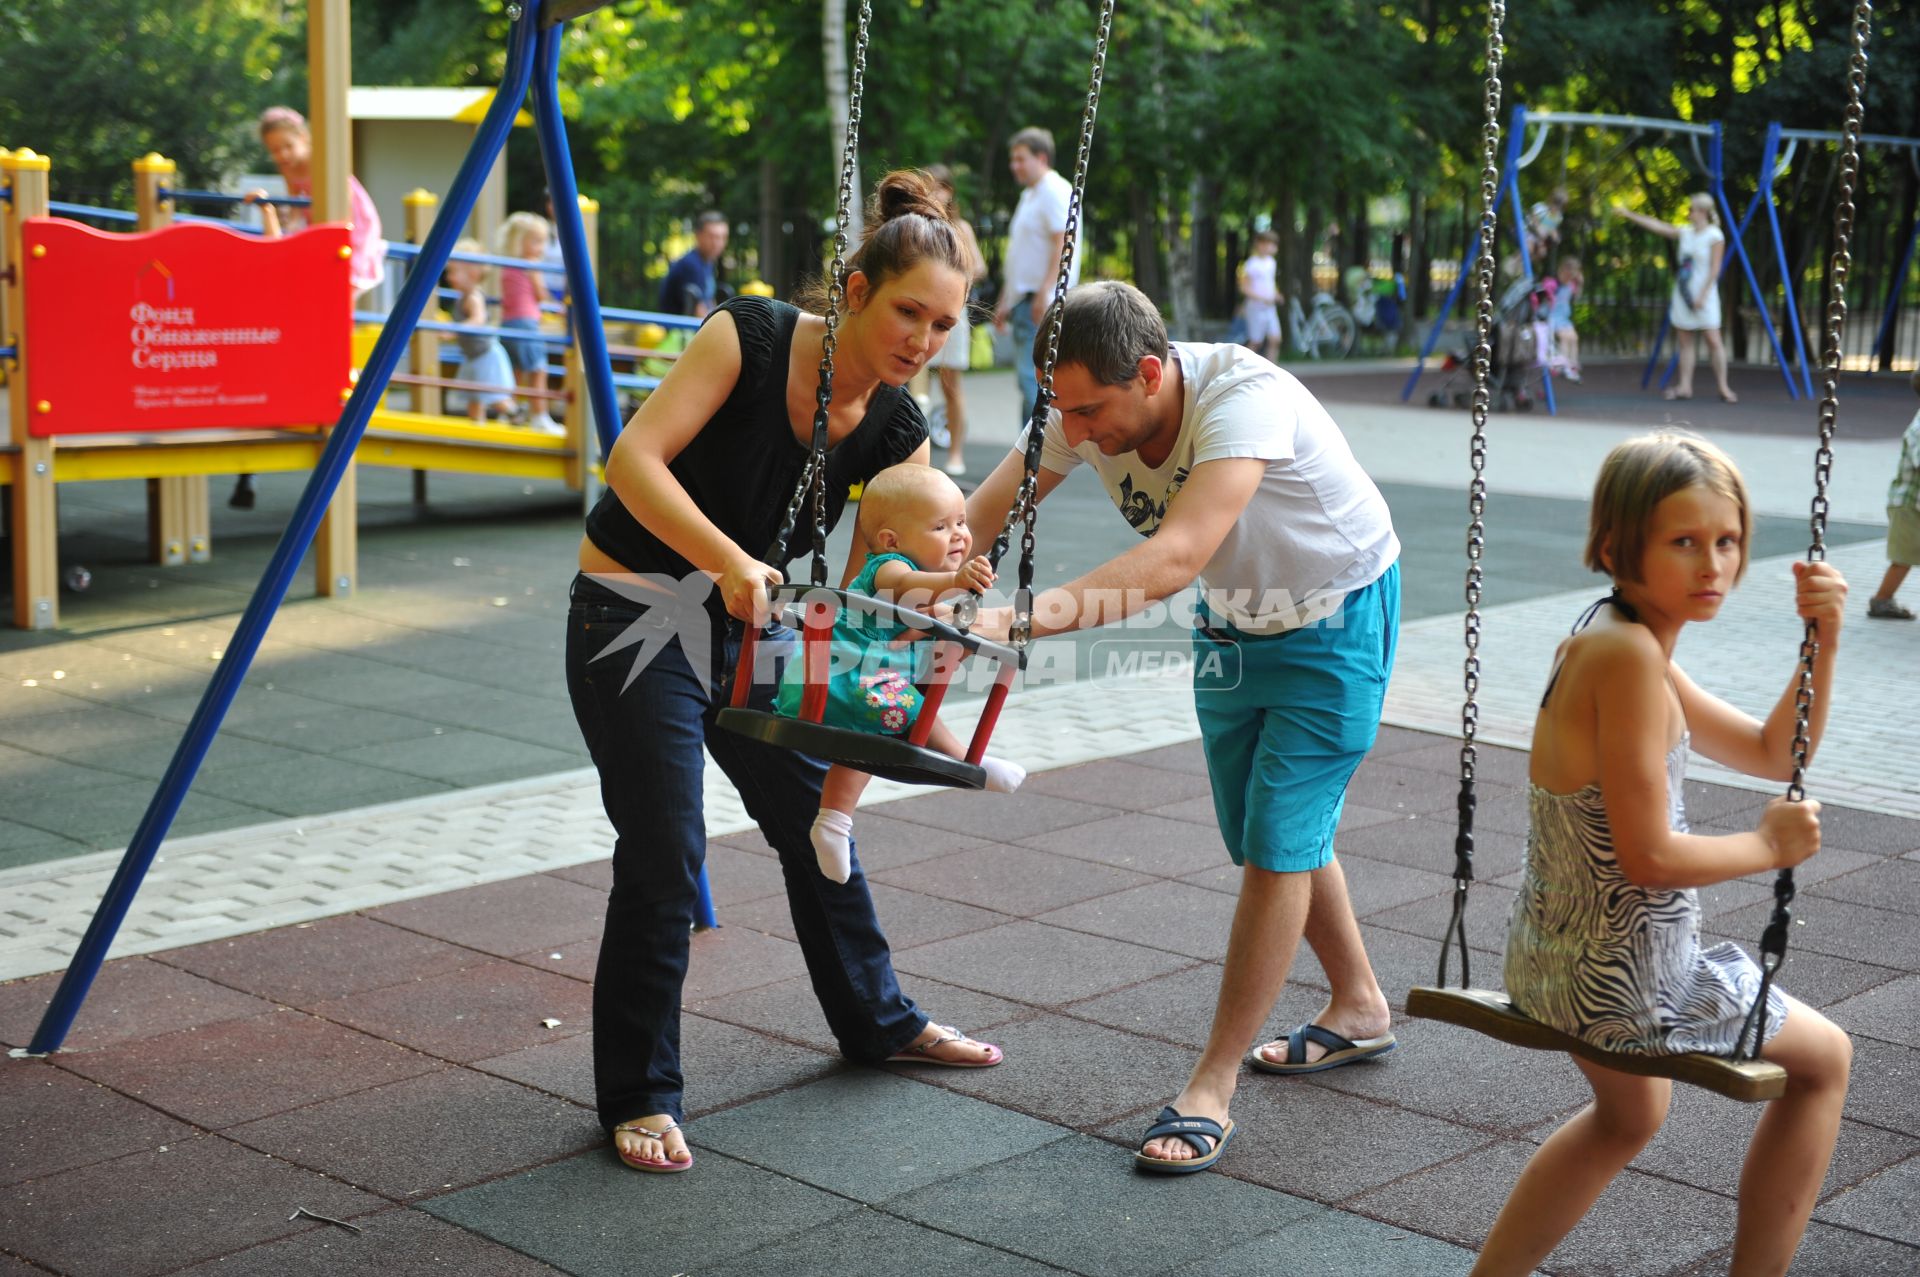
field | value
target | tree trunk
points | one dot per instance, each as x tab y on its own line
833	48
1146	242
773	238
1419	271
1206	247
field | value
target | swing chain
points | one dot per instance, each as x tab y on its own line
837	291
1773	941
777	552
1477	489
1027	501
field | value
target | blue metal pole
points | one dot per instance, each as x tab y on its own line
1736	244
1510	178
588	330
1653	360
245	642
1507	176
1885	336
1439	323
1788	283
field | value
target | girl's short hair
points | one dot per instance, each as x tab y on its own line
514	231
1636	477
276	118
910	220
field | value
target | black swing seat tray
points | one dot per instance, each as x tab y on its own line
1491	1013
888	756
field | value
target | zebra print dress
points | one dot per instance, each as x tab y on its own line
1618	965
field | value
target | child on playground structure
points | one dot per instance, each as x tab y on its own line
913	521
521	291
1604	938
483	360
1260	295
1566	341
1903	525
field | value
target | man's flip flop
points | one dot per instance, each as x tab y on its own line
655	1166
1205	1136
1339	1051
923	1054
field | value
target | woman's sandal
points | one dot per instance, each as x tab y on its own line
656	1166
923	1053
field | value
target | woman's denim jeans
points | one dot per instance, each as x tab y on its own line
645	737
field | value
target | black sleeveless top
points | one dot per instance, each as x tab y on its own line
741	468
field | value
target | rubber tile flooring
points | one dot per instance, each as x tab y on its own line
409	1089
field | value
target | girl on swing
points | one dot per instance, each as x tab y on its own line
1604	938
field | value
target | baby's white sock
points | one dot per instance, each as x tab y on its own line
832	836
1003	776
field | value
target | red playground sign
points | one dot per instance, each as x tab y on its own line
187	327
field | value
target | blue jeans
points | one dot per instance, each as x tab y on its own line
1021	325
646	742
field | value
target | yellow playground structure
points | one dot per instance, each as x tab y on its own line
409	430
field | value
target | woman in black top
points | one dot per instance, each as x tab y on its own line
696	487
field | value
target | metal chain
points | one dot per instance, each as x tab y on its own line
836	293
1026	501
1773	942
1477	488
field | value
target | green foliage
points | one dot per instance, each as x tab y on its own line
97	83
1235	108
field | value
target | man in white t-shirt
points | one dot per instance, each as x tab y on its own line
1035	239
1235	475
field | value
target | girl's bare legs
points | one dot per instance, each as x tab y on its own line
1717	352
1683	385
1787	1161
1570	348
1568	1172
951	387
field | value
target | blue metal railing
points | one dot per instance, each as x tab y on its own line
65	209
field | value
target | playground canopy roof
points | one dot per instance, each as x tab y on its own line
390	102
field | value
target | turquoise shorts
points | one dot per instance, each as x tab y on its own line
1286	723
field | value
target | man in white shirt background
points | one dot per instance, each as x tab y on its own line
1035	239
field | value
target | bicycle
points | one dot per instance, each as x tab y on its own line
1327	333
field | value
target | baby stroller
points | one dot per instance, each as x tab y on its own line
1522	344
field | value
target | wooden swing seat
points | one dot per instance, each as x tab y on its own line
1491	1013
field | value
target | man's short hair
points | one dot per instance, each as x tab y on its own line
1037	140
708	218
1108	328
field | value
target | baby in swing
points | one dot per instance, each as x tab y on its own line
913	522
1604	940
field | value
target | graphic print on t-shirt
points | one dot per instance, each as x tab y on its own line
1143	515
